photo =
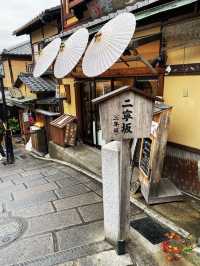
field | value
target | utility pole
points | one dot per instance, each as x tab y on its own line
8	134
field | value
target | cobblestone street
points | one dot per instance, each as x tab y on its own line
63	210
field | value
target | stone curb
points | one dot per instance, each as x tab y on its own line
160	218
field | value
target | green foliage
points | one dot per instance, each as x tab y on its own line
14	125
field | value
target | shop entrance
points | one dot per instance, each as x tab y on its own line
91	129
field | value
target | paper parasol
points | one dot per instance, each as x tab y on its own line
71	51
109	44
47	57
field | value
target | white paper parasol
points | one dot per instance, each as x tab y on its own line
71	52
109	44
47	57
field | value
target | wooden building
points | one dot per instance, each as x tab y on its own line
14	61
168	36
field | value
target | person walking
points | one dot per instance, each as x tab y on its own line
2	129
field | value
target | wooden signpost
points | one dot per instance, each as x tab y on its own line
125	114
154	188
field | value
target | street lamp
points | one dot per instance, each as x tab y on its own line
8	134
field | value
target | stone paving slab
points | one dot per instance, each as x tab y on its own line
69	171
71	190
35	199
95	186
102	259
67	181
35	182
73	173
80	235
5	196
23	179
51	171
69	255
57	177
11	176
33	211
92	212
6	172
77	201
8	186
37	166
26	249
53	199
52	222
32	173
1	208
21	195
82	178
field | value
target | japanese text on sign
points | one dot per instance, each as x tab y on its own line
127	117
124	123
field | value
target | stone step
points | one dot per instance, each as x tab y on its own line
69	255
81	155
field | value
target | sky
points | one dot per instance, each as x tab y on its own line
14	14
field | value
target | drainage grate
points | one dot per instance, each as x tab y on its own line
11	228
150	229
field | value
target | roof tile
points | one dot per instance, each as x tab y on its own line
38	84
20	49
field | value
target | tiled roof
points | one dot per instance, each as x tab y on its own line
36	84
96	24
47	16
23	49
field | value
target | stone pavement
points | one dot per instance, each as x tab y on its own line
63	210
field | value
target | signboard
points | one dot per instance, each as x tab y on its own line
70	134
125	114
145	156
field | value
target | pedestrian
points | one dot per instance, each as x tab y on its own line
2	129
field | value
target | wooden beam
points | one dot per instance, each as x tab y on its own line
124	72
11	71
75	3
66	7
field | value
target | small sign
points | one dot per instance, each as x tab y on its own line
70	134
125	114
145	156
25	117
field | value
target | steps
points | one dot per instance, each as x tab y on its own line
82	155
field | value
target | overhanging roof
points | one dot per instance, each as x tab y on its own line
20	50
96	24
36	85
44	17
10	101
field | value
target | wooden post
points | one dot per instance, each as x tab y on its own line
125	174
125	114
